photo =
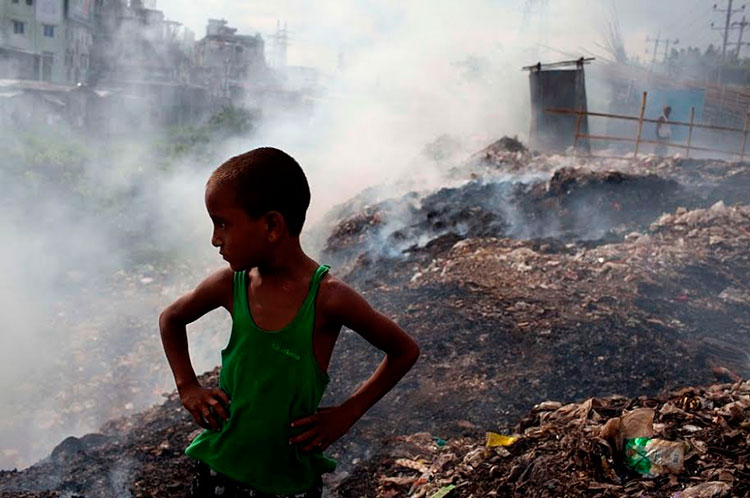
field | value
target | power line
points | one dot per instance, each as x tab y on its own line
656	41
692	16
663	41
727	25
280	45
666	47
706	38
741	25
688	28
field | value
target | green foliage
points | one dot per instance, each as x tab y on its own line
200	141
44	157
180	141
233	121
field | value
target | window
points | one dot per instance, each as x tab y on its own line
29	2
49	31
13	1
17	27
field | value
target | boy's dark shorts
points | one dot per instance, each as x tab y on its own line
208	483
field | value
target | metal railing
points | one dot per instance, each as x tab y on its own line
640	119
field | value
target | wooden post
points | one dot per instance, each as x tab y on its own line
744	137
640	126
578	130
690	132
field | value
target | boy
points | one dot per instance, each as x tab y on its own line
265	433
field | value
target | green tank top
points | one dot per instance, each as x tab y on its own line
272	379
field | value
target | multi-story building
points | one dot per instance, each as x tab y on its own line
32	40
145	58
225	62
79	40
53	40
124	59
136	43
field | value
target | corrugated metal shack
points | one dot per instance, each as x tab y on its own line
557	85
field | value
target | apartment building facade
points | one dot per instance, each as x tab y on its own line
81	58
224	61
45	40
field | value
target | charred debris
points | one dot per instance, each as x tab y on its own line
553	297
573	450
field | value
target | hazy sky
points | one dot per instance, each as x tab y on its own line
320	30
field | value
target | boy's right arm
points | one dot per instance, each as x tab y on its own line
207	406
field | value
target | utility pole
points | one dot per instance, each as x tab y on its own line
280	44
727	26
656	43
726	31
666	47
742	25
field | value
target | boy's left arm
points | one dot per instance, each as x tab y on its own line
345	307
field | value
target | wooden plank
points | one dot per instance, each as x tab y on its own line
690	133
694	147
692	125
607	137
744	138
555	110
539	65
654	142
579	118
640	124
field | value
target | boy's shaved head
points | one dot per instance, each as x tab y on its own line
266	179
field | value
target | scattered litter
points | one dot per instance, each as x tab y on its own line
654	457
570	450
444	491
494	439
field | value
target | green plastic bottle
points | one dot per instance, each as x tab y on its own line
636	454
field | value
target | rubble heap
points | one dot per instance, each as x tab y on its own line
565	450
687	261
552	198
504	322
139	455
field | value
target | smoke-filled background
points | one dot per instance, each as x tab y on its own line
101	229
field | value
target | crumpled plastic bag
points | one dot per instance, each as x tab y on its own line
654	457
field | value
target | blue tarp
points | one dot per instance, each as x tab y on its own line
680	100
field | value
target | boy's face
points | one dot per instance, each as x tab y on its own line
242	240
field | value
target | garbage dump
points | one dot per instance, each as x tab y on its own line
560	291
581	449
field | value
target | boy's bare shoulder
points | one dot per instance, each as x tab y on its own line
333	288
214	291
223	279
336	298
220	278
341	305
217	289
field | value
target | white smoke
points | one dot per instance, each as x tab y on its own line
83	280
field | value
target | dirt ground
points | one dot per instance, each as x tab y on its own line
559	292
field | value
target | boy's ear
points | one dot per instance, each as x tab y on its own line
275	225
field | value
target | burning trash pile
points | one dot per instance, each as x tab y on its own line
138	455
564	199
547	308
691	443
528	278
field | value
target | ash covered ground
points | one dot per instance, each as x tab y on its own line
530	278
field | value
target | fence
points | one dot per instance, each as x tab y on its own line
640	119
